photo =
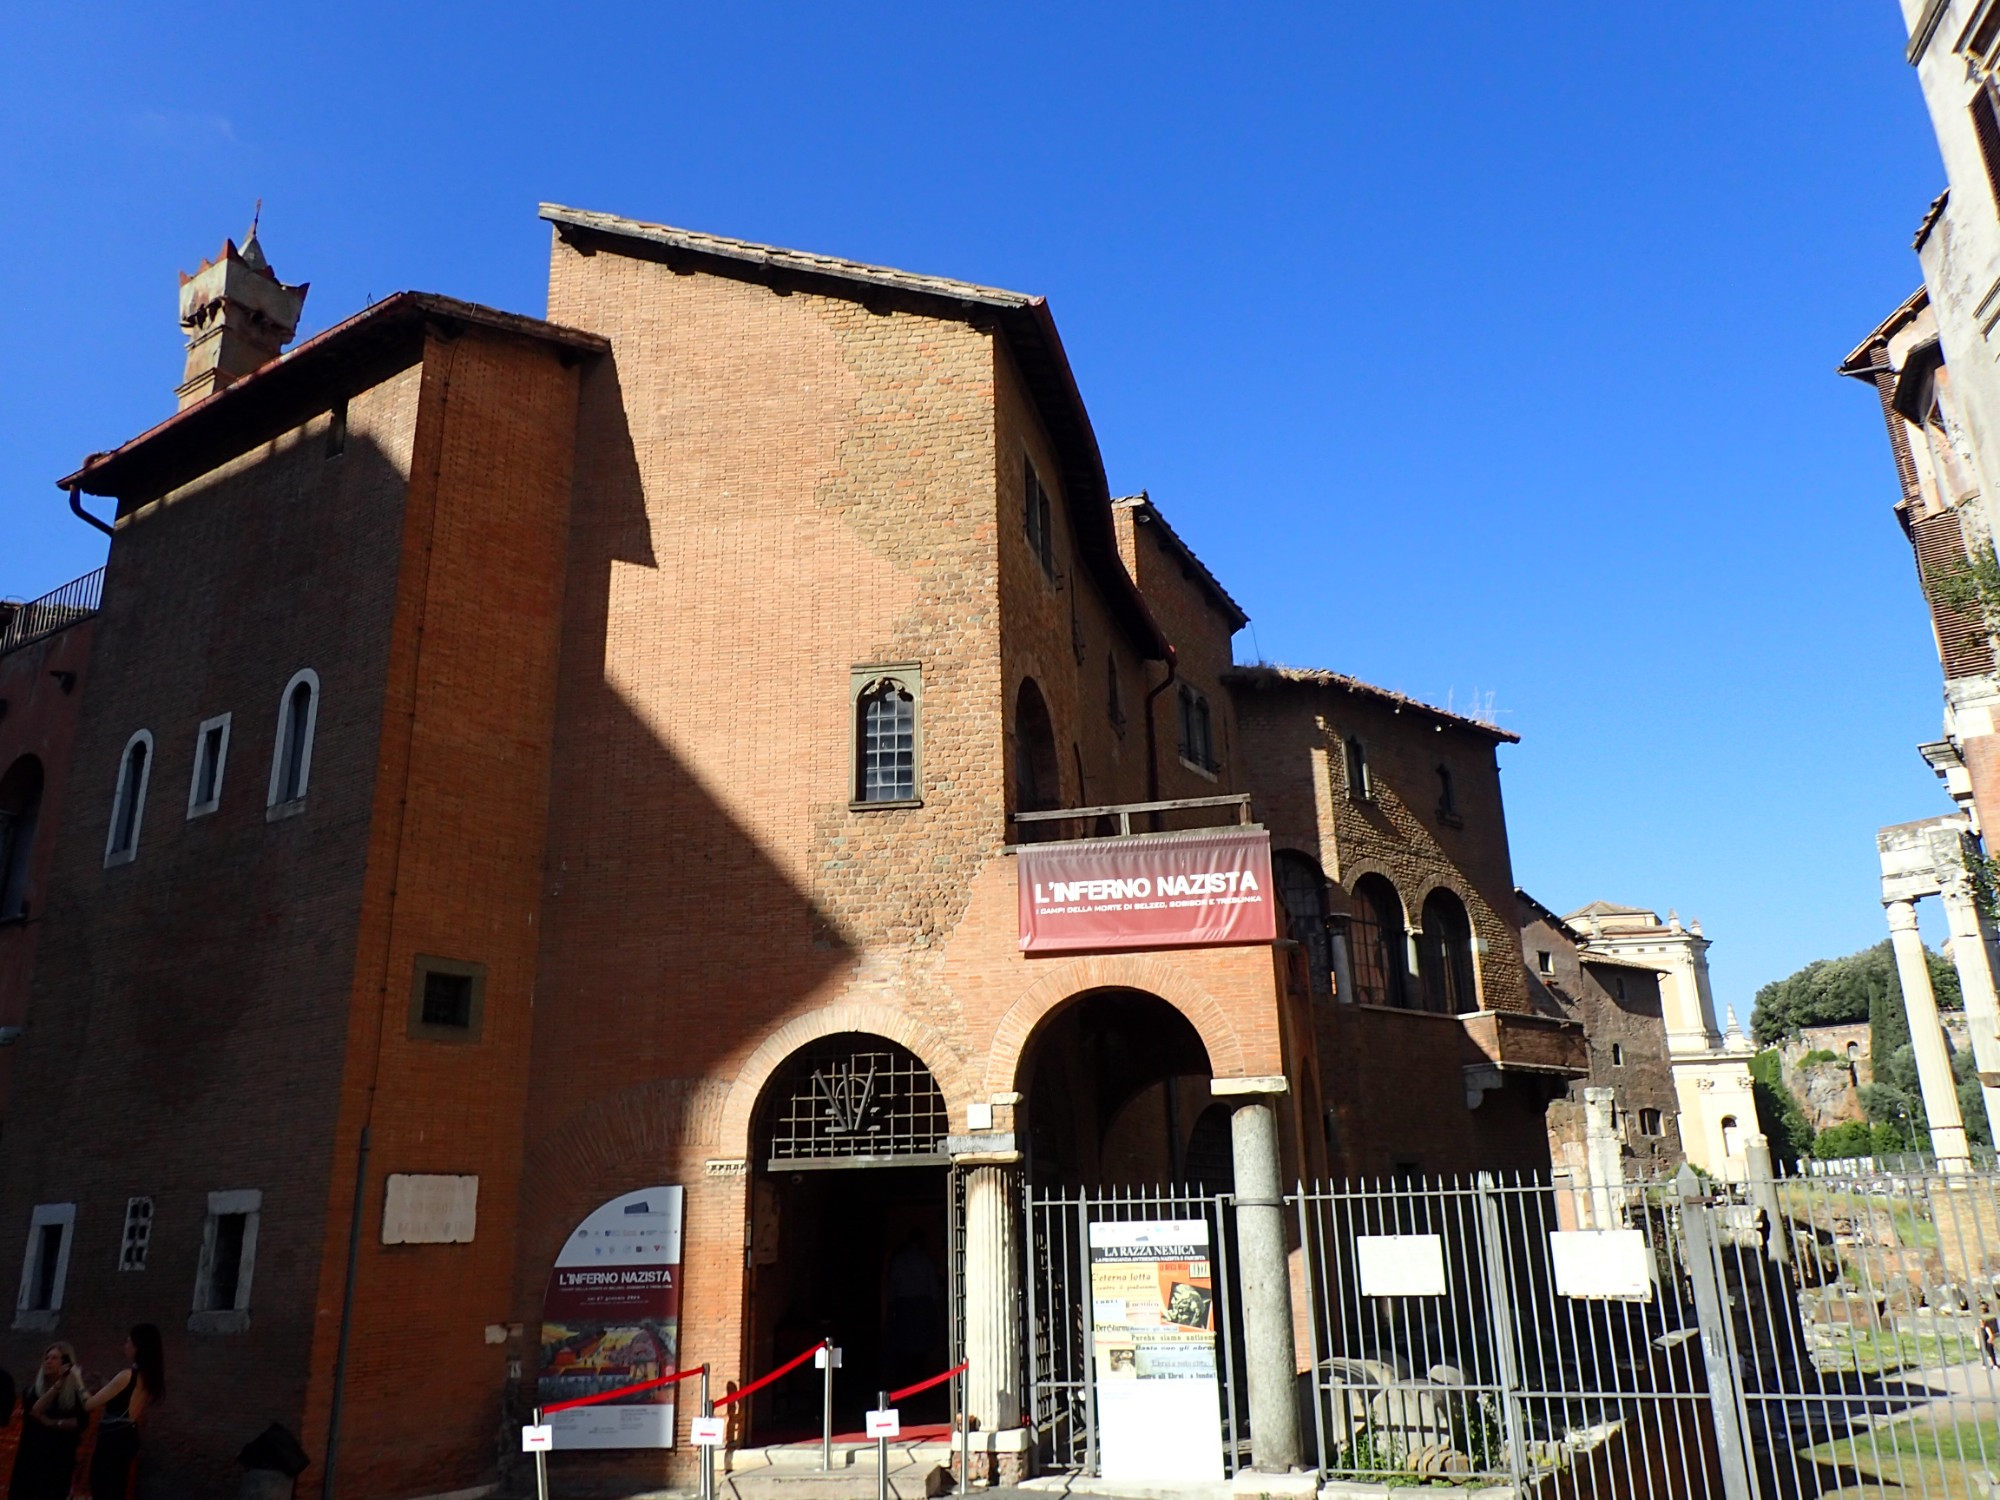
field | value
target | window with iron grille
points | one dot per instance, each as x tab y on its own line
887	704
138	1236
1303	889
854	1100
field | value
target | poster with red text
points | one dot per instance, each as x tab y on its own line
611	1317
1155	891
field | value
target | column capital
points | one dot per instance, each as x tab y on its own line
1902	914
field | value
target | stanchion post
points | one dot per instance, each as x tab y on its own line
707	1452
959	1389
541	1466
826	1410
882	1455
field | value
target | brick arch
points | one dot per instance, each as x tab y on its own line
1351	875
739	1113
1111	971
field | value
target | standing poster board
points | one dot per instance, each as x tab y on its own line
1152	1317
611	1317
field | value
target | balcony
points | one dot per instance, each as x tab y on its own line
1114	820
23	624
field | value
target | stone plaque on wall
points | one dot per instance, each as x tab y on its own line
425	1209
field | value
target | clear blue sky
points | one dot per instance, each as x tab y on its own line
1479	347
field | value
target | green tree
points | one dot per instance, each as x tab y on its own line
1895	1099
1860	987
1779	1114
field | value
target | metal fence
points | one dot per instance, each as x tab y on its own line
1062	1406
76	600
1832	1334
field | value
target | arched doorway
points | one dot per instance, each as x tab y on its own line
849	1230
1037	776
1116	1085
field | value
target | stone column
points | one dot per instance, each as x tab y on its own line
993	1296
1604	1157
1262	1264
1927	1038
1972	956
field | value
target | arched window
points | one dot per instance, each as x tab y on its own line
291	758
1037	776
1380	943
128	801
1732	1136
886	757
20	811
1449	986
1358	786
1303	889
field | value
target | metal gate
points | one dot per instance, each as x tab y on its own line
1818	1335
1061	1405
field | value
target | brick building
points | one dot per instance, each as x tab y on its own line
611	743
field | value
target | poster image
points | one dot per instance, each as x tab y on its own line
611	1317
1152	1296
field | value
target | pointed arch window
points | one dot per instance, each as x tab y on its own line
291	756
128	801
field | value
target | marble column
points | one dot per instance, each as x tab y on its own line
1262	1248
993	1296
1940	1090
1972	956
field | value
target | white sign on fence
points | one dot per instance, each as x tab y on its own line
707	1432
1400	1265
886	1423
537	1439
1611	1264
820	1354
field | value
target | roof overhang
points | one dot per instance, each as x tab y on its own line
346	359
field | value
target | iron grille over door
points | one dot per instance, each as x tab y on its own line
856	1101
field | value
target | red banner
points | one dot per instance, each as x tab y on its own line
1155	891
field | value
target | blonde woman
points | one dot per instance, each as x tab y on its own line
52	1421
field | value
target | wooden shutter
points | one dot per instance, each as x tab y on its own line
1964	642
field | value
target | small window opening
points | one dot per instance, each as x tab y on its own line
1114	700
48	1256
1649	1122
1447	795
138	1237
1544	961
129	805
211	749
291	761
1358	785
1618	986
447	999
1617	1054
336	430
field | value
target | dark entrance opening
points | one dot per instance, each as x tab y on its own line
1117	1086
850	1235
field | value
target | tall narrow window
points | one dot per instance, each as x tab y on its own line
228	1258
1114	700
1303	889
1040	518
128	802
1380	943
887	704
888	745
1449	985
211	751
20	814
291	757
1358	786
1986	128
45	1269
1037	775
1617	1054
1197	729
1447	794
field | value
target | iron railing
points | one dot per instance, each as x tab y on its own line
1114	819
57	610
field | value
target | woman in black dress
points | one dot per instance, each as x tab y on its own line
52	1423
125	1399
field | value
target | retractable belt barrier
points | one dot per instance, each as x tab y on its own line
623	1390
763	1380
924	1385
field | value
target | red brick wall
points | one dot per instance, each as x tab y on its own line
189	1009
40	721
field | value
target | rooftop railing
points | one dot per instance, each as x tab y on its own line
59	609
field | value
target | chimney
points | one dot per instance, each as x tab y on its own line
236	315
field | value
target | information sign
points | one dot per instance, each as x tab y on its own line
885	1424
1152	1302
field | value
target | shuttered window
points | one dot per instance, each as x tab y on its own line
1964	642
